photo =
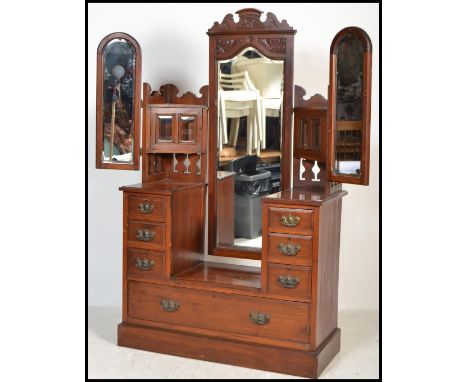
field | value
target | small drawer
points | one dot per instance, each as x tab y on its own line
290	220
146	208
146	235
144	265
257	317
289	281
290	249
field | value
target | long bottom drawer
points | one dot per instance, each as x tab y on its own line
282	320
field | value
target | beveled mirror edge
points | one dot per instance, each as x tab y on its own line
363	178
257	33
136	103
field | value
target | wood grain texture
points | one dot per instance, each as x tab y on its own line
304	253
303	227
288	321
328	269
136	273
307	364
304	285
225	211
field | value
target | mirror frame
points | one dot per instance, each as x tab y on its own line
363	178
274	40
136	103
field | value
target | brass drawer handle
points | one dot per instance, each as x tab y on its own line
259	318
170	305
290	221
146	207
289	249
288	281
145	235
144	265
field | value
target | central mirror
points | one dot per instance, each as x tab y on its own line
250	110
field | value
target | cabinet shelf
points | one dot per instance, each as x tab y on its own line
226	275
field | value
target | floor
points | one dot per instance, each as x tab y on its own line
256	242
358	358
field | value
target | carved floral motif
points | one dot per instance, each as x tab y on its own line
275	45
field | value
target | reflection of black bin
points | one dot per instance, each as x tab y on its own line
248	214
250	186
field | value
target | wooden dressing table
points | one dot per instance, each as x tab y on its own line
281	316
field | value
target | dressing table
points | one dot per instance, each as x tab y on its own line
281	316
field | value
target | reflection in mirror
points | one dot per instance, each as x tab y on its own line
165	128
250	102
188	128
309	137
349	106
118	102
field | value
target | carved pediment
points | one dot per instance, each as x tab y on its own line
249	21
168	94
316	101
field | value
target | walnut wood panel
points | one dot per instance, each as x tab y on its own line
277	215
363	178
155	232
230	275
301	276
225	211
281	360
317	101
146	207
328	269
274	40
169	94
144	265
304	250
228	313
187	229
136	103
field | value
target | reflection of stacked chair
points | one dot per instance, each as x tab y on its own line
239	98
267	77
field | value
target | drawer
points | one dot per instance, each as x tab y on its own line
146	208
145	265
259	317
289	281
146	235
290	220
290	249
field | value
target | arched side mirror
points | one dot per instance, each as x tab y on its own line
118	102
350	106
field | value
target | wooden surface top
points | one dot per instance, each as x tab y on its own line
303	197
229	275
164	187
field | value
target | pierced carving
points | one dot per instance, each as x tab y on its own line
249	20
317	101
275	45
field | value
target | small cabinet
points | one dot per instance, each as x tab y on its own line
175	128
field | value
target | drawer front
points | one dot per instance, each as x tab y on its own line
146	208
145	265
290	249
259	317
146	235
289	281
290	220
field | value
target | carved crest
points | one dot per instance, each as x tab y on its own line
168	94
249	21
317	101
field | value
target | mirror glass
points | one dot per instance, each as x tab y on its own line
309	137
188	128
165	128
349	106
118	102
250	103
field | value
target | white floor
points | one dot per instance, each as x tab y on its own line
256	242
358	358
